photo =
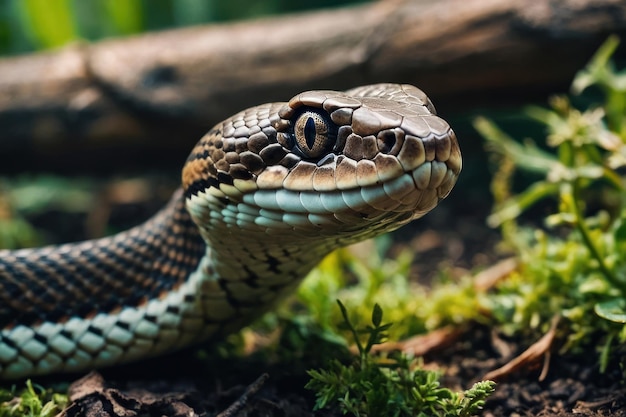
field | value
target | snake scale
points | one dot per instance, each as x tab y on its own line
266	194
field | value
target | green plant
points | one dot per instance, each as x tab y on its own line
27	197
30	402
573	263
362	276
390	386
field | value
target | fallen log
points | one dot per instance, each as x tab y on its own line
158	92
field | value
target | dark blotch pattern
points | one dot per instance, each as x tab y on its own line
124	270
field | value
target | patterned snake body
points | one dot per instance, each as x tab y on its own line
266	195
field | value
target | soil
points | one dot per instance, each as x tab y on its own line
183	385
572	387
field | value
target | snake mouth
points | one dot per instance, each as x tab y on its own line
413	193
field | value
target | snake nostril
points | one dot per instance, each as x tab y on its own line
389	141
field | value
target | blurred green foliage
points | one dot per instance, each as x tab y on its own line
33	400
27	25
27	197
573	264
362	278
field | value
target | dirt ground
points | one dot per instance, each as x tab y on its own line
179	385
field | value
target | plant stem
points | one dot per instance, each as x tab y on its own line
584	233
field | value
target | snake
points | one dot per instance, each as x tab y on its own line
266	194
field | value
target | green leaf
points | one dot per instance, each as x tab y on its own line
526	156
596	69
612	310
346	319
524	200
605	354
619	232
377	315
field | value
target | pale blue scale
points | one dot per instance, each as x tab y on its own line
438	173
244	220
247	208
7	353
268	223
333	201
399	187
91	342
353	199
270	214
215	222
313	203
294	219
264	199
120	336
21	334
421	175
49	362
34	349
78	359
49	330
18	366
228	215
323	220
373	195
290	201
104	322
128	315
147	329
110	353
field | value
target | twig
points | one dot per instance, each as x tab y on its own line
423	344
487	279
531	355
242	401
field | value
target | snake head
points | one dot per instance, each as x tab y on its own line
336	162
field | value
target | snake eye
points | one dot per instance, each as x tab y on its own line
314	133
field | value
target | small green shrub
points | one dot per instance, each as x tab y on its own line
389	386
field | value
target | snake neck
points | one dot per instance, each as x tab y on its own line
253	275
58	283
254	258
